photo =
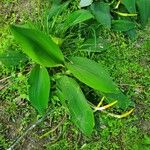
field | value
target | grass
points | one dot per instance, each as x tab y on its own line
128	63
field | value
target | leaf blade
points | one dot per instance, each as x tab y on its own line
74	99
76	18
144	10
39	89
130	5
92	74
12	58
95	45
38	46
122	25
102	14
123	101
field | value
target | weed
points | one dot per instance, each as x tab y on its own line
128	63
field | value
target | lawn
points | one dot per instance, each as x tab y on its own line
127	61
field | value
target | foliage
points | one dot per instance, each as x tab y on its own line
39	89
122	12
128	64
92	74
89	72
12	58
102	14
38	46
71	96
44	50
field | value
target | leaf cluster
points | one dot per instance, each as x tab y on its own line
45	49
119	15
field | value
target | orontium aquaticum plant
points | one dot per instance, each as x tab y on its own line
43	50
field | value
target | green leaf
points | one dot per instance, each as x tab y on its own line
144	10
38	46
130	5
80	111
123	101
101	12
76	18
95	45
12	58
92	74
39	82
123	25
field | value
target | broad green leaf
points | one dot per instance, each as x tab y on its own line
95	45
123	101
38	46
12	58
101	12
92	74
123	25
39	82
130	5
84	3
76	18
80	111
144	10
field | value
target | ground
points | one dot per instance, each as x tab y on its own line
128	63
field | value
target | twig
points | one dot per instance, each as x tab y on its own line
27	131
